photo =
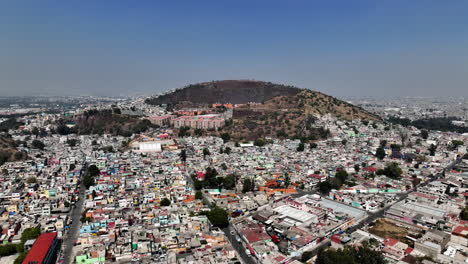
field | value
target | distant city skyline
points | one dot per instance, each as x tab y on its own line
341	48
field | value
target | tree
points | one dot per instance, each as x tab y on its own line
226	137
183	155
313	145
344	141
229	182
93	170
392	170
259	142
165	202
218	217
227	150
380	153
31	180
341	175
432	150
247	186
30	233
357	168
287	180
206	152
37	144
300	147
424	134
198	132
72	142
464	214
456	144
351	255
198	195
395	147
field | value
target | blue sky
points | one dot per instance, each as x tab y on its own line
378	48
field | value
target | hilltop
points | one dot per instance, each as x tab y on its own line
268	109
227	91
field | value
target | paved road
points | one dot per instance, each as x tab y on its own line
239	247
73	232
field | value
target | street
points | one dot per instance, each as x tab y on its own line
72	234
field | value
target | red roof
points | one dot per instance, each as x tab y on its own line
390	242
40	248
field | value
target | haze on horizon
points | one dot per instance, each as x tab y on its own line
342	48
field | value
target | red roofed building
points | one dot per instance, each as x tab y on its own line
44	250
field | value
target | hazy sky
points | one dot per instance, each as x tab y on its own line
375	47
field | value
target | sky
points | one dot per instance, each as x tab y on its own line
342	48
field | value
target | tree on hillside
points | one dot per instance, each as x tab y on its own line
226	137
37	144
300	147
424	134
183	155
259	142
432	150
313	145
206	152
380	153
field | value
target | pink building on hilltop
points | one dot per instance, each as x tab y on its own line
164	120
202	121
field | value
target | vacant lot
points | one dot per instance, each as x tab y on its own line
386	229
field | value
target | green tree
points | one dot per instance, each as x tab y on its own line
198	132
198	195
30	180
229	182
226	137
456	144
432	150
30	233
259	142
392	170
464	214
380	153
344	142
206	152
37	144
341	175
183	155
424	134
300	147
72	142
247	185
165	202
313	145
218	217
357	168
227	150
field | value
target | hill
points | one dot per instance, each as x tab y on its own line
227	91
8	151
278	110
103	122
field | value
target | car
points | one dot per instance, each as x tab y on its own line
238	239
247	252
233	232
